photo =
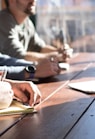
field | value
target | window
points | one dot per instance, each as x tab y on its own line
76	18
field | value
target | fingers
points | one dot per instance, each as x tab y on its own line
21	96
55	66
26	92
65	54
68	52
36	98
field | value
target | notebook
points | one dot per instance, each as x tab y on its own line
17	108
85	86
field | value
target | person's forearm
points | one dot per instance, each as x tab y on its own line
33	56
48	49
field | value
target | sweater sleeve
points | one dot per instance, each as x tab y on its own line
14	67
6	60
10	40
15	73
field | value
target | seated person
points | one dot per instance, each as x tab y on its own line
20	69
18	37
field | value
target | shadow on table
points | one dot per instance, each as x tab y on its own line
67	76
54	120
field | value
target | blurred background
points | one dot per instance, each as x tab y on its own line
72	19
68	21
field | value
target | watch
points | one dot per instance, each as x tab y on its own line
31	69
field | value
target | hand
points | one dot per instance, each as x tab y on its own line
68	51
65	53
26	91
47	67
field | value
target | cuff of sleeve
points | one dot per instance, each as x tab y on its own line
31	76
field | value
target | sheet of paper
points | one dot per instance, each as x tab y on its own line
86	86
17	108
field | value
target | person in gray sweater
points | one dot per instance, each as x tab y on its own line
18	37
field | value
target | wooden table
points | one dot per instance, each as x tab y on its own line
64	113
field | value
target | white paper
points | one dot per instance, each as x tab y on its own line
86	86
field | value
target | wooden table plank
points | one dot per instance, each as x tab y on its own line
85	128
6	122
86	75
